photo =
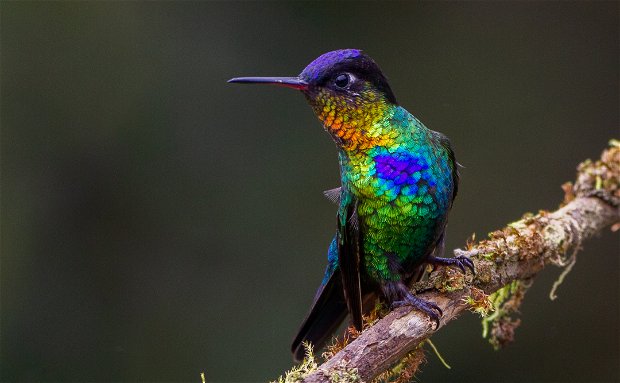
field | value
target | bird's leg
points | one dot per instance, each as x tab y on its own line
461	262
397	293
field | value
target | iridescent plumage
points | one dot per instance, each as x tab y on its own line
398	181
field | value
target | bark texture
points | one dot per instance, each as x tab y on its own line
517	252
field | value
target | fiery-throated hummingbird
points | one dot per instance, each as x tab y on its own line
398	182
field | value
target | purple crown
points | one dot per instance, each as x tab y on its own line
324	61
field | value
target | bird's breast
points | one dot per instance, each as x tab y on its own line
403	200
398	183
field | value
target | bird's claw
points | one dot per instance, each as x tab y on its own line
461	262
429	308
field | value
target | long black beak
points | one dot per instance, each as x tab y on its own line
289	82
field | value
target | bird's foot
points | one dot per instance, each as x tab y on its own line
429	308
461	262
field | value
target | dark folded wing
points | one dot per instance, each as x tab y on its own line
349	248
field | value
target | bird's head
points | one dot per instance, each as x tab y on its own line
348	93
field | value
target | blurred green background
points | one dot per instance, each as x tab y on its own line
158	222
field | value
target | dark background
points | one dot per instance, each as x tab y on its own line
158	222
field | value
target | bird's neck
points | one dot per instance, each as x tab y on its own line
358	125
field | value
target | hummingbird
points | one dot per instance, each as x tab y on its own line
398	182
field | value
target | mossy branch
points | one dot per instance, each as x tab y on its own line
511	256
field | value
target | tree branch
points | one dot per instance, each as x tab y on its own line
517	252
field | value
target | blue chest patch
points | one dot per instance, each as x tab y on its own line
401	173
400	168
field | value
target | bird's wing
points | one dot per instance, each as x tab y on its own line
349	249
445	143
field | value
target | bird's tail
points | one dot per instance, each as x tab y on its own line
327	313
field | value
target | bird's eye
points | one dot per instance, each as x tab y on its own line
342	80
